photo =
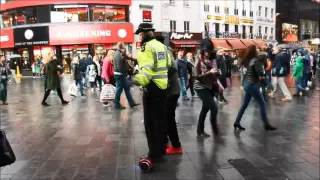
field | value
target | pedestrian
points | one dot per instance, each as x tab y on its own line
298	74
76	73
121	70
83	65
13	64
221	62
92	75
98	71
280	70
206	86
108	71
183	74
255	74
263	62
52	80
191	73
173	94
3	80
153	76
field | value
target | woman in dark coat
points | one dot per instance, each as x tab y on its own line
52	80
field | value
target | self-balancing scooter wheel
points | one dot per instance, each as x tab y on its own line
145	165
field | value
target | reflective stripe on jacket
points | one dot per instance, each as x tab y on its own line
153	60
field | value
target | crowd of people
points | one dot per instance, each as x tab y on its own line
163	78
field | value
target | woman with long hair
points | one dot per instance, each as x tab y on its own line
254	75
52	79
206	86
108	71
77	74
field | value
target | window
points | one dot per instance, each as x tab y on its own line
266	30
186	3
226	10
206	26
69	13
109	13
259	29
251	13
244	12
217	9
31	15
226	28
186	26
173	26
8	19
272	13
271	31
236	28
236	11
266	12
206	6
260	9
172	2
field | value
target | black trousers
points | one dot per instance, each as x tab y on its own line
154	102
47	93
191	85
171	106
208	104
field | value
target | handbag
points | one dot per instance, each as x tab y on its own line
73	90
108	93
7	156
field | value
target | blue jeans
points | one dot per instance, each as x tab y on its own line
84	79
122	84
183	87
4	90
79	82
252	90
298	83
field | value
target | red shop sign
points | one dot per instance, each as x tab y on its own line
6	38
146	16
90	34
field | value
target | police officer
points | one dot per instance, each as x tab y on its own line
153	60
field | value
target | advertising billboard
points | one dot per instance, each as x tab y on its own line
289	32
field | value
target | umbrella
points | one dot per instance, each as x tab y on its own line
289	46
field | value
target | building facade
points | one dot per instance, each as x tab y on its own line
34	28
238	19
177	20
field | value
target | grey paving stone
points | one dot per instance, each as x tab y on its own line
85	141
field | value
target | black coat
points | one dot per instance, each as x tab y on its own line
281	65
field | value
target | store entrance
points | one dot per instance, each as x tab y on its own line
68	53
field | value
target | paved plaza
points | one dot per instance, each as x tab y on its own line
85	141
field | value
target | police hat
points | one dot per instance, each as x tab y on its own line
144	27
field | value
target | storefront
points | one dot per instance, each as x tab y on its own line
6	41
188	42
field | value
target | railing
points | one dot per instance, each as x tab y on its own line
229	35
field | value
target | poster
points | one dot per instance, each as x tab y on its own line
289	32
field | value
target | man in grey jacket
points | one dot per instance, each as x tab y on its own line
121	70
173	94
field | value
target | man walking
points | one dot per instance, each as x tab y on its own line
121	71
280	70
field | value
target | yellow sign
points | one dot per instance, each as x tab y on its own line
232	20
248	21
215	17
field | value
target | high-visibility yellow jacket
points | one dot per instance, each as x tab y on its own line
153	60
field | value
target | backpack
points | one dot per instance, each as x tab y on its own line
83	65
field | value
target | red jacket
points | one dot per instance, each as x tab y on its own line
107	70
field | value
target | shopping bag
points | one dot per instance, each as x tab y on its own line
108	93
7	156
73	89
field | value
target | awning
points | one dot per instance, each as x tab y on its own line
247	42
259	43
185	43
236	44
221	43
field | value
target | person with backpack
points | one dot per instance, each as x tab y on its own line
280	70
83	64
298	74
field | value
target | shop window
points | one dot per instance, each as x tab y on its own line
109	13
20	18
173	26
31	15
6	22
69	13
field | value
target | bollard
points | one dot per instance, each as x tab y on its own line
18	73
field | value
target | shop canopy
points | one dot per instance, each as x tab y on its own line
248	42
259	43
236	44
185	43
221	43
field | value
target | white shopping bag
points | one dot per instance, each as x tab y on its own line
108	93
73	90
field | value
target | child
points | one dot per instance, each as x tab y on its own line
92	74
298	74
